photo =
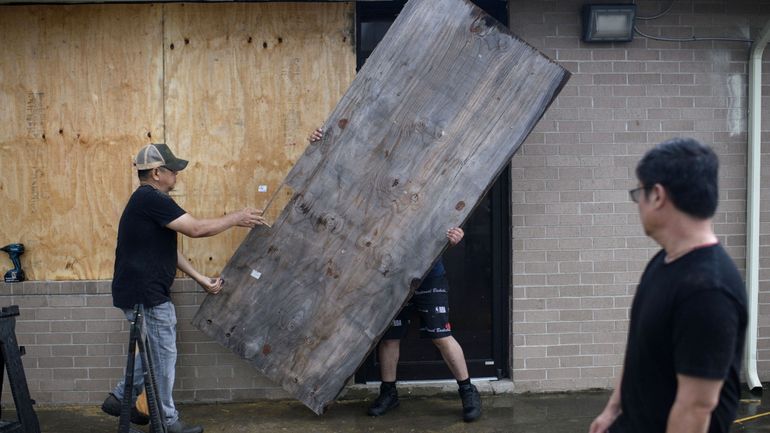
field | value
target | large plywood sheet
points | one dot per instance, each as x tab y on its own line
234	88
80	90
245	83
431	119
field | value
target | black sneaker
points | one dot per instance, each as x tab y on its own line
471	402
111	406
180	427
387	400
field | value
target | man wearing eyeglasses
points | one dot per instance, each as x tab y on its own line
146	259
688	317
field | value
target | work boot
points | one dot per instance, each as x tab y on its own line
111	406
471	402
180	427
387	400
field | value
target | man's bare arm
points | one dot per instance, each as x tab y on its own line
193	227
695	399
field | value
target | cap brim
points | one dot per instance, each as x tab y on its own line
177	164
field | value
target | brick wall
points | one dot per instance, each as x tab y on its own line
76	344
578	245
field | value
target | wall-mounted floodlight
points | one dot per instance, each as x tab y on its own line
608	22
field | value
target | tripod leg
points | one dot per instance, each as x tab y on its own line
16	377
154	404
2	368
124	425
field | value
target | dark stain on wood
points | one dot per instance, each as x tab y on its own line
328	222
482	24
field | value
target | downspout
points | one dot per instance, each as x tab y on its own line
752	199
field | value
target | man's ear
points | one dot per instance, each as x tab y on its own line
658	196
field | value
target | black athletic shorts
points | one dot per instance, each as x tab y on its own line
431	301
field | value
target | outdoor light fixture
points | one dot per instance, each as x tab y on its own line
608	22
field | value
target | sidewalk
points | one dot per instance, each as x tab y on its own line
552	413
506	413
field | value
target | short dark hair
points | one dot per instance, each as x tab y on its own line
688	170
144	174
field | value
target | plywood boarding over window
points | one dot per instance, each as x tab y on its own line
245	85
437	111
85	86
80	91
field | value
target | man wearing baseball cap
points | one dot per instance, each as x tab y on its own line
146	259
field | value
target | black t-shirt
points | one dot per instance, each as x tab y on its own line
688	317
146	255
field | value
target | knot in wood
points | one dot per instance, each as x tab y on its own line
302	206
328	222
364	241
331	269
482	25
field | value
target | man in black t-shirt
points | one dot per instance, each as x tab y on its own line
688	317
146	259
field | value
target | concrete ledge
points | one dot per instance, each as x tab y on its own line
431	388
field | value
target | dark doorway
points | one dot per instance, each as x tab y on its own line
478	269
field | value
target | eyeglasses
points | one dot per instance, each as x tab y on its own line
168	169
635	193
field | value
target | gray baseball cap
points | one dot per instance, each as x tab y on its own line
157	155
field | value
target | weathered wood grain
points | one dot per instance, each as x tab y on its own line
241	93
79	95
437	111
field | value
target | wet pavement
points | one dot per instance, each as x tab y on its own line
509	413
